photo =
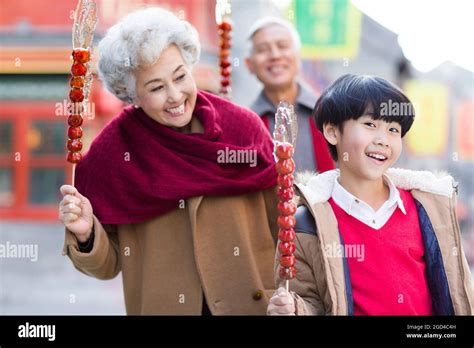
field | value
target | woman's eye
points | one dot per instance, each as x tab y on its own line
157	88
181	77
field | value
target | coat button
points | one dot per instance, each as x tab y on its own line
258	295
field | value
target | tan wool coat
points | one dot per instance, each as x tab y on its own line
222	247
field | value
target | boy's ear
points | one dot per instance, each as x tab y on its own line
330	133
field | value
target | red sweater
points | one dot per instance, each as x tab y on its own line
388	278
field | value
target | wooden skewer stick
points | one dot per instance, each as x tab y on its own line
73	173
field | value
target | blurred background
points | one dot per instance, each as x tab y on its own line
422	46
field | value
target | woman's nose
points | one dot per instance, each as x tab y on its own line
174	94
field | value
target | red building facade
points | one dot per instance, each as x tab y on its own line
35	48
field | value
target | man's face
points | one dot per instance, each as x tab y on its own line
274	59
367	148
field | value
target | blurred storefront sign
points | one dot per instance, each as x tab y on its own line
464	136
37	38
328	29
429	133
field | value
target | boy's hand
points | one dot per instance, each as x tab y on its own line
75	212
281	303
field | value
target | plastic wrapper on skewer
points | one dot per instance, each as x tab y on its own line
85	20
284	136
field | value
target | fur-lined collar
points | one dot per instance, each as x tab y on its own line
317	188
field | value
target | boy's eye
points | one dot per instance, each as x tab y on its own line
370	124
394	130
157	88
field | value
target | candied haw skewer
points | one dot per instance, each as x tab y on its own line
225	29
85	21
79	70
285	167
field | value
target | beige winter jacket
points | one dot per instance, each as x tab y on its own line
320	286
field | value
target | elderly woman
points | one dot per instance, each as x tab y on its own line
160	195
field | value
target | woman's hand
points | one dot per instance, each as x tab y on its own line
281	303
75	212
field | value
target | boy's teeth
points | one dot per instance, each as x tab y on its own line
377	156
178	110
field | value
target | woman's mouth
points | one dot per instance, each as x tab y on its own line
177	110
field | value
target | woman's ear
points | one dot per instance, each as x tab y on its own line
135	102
330	132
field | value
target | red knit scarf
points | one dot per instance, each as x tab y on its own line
137	169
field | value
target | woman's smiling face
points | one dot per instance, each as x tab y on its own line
166	90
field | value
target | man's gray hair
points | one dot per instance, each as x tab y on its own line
268	21
138	40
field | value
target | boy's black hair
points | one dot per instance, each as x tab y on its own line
351	95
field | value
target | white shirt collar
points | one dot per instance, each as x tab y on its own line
364	212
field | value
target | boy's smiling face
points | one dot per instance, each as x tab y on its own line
366	147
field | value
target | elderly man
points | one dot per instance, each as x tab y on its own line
273	58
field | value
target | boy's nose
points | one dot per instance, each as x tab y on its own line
381	139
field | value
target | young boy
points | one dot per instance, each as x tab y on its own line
370	239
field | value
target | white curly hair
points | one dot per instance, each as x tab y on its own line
138	40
